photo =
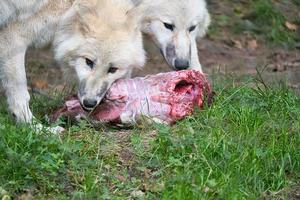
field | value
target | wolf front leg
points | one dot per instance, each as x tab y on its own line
13	77
195	63
14	40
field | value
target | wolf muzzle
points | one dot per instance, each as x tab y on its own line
173	60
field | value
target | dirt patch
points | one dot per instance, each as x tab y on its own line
291	193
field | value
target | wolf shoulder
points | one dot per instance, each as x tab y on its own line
12	10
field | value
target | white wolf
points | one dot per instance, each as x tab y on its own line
174	26
99	39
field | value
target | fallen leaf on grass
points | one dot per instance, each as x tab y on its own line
234	43
121	178
206	190
237	44
291	26
27	196
40	84
252	44
6	197
137	194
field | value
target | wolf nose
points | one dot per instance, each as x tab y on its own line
89	103
181	64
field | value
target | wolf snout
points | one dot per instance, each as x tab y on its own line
89	104
181	64
175	60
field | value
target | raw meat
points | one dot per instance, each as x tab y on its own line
162	98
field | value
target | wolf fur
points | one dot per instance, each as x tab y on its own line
98	40
189	20
16	9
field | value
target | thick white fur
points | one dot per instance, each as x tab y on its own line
15	9
104	31
182	14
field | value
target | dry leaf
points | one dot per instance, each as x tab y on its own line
206	189
238	44
121	178
40	84
137	194
291	26
234	43
252	44
6	197
25	197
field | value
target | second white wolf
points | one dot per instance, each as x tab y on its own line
174	25
100	40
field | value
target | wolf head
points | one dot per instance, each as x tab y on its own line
102	42
174	26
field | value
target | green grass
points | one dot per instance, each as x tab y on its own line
271	22
246	146
261	18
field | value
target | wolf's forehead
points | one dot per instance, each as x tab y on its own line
180	12
192	10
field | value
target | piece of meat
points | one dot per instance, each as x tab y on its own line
162	98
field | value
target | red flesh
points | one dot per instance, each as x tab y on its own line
167	97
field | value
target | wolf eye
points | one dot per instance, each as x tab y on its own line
169	26
89	63
112	70
192	28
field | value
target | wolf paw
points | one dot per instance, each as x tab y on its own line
53	130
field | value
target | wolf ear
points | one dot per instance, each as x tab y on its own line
204	24
135	15
83	9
